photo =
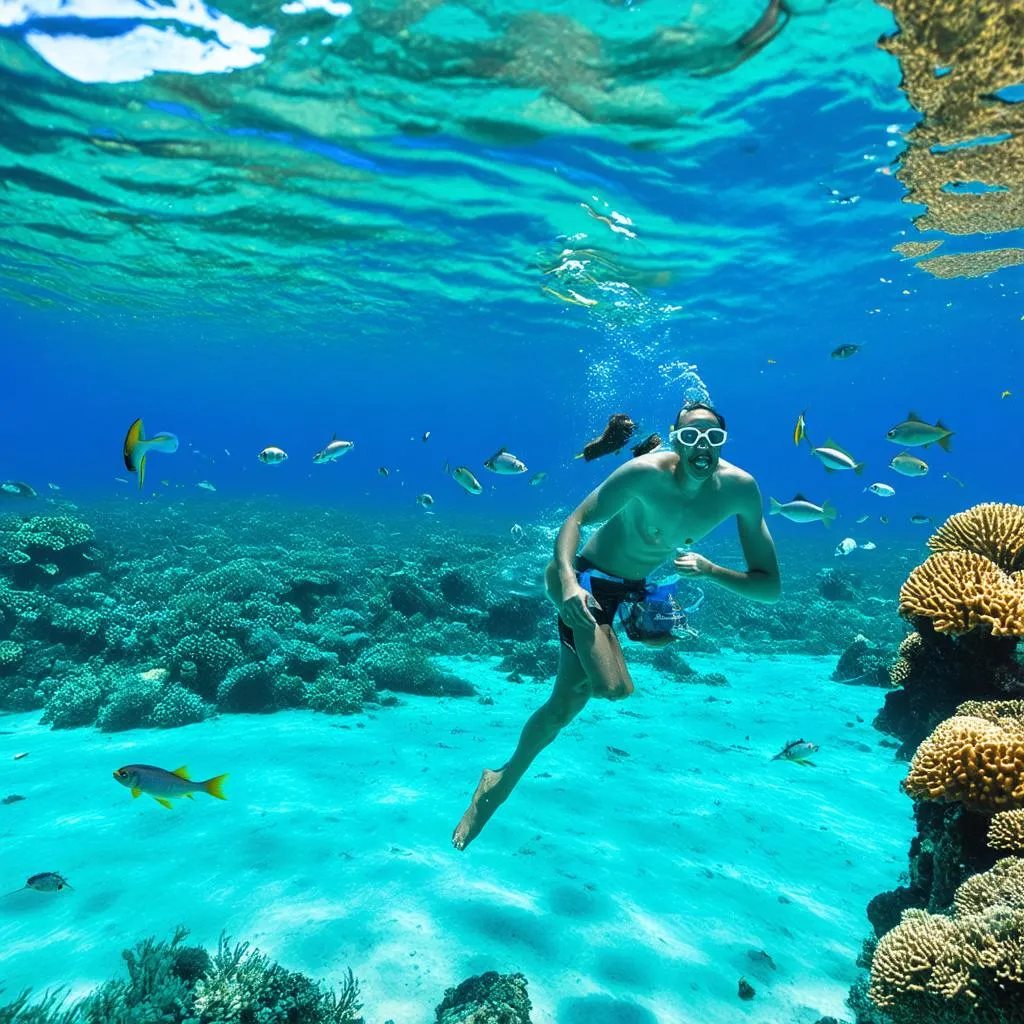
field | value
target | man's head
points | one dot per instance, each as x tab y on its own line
697	437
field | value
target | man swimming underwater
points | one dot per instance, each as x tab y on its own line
650	509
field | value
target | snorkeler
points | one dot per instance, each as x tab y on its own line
651	509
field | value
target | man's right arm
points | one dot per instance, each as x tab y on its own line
598	506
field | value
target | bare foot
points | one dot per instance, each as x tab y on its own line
480	809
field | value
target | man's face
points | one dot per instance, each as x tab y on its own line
700	459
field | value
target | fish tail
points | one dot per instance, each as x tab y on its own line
775	506
943	442
858	468
142	470
215	786
828	513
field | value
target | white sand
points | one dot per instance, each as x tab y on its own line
627	889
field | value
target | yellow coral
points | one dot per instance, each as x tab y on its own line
976	762
938	968
993	710
961	590
1006	832
994	530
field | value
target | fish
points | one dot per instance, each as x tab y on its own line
844	547
797	752
882	490
383	471
206	485
426	436
884	520
955	480
517	532
14	798
425	500
920	519
164	786
800	430
845	351
913	432
120	480
1006	394
53	487
504	463
463	476
908	465
619	430
868	546
649	444
333	451
538	478
834	458
17	489
45	881
272	456
862	519
799	510
137	447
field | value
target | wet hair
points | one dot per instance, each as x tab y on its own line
692	406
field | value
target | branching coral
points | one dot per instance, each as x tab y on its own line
974	761
968	966
993	530
961	590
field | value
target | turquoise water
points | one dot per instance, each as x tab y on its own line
434	231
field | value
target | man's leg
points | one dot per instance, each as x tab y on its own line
571	691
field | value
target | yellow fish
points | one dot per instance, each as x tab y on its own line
164	786
1006	394
800	430
137	446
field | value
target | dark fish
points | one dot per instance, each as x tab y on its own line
12	799
45	881
619	430
383	470
426	435
845	351
648	444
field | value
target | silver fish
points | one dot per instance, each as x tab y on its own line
272	455
844	547
463	476
164	786
333	451
797	751
799	510
913	431
834	458
45	881
505	463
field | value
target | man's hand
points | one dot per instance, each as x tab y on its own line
575	609
689	563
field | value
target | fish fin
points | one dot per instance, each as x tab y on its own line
447	467
913	417
132	438
858	468
142	469
774	510
798	497
580	456
165	803
136	793
943	442
805	762
828	469
189	796
182	773
215	786
828	512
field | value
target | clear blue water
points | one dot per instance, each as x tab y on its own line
269	228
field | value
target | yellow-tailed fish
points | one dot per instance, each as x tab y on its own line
463	476
137	446
164	786
800	430
834	458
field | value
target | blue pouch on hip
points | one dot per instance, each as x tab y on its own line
663	613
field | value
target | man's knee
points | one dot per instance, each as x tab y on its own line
615	689
563	710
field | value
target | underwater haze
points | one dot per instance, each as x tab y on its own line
440	232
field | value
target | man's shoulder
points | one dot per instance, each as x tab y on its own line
737	482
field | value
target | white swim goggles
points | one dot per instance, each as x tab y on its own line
689	436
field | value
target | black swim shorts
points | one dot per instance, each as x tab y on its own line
609	592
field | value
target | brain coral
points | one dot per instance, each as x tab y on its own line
974	761
993	530
960	590
937	969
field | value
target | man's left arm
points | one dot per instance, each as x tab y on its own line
761	581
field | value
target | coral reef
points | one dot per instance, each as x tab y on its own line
993	530
965	966
174	983
489	998
1007	830
863	664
